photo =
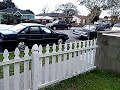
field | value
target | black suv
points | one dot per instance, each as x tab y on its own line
59	24
28	34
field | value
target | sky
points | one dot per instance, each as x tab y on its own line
37	5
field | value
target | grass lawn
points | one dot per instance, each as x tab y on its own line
94	80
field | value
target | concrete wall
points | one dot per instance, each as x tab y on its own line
108	51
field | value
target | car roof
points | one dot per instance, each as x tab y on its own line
31	24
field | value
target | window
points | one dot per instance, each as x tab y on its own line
45	30
62	22
117	25
56	21
89	27
34	30
24	31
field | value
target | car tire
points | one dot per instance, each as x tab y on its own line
68	28
1	49
60	40
21	45
54	28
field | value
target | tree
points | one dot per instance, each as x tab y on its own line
114	10
94	15
8	18
6	4
45	9
96	6
68	9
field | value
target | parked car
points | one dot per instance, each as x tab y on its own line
58	24
103	25
88	31
28	34
116	27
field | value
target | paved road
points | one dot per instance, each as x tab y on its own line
72	37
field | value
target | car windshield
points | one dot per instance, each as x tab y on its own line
117	25
56	21
17	27
89	27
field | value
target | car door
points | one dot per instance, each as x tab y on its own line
92	32
62	24
49	36
35	35
23	36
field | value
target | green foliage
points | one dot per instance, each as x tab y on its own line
7	4
68	9
8	18
96	6
94	15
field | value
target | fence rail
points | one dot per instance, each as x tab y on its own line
46	66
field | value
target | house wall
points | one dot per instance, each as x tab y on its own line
0	18
108	51
76	19
30	17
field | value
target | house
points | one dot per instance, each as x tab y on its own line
18	13
57	16
84	19
80	20
44	19
76	20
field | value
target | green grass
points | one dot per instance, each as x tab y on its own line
94	80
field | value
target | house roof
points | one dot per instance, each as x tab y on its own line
53	14
82	17
14	10
44	17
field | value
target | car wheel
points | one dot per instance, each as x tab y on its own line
60	41
54	28
68	28
1	49
21	45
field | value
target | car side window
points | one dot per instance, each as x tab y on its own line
62	22
34	30
45	30
25	31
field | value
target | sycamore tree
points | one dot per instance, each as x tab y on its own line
68	9
96	6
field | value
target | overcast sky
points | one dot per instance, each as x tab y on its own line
37	5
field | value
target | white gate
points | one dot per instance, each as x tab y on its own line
56	64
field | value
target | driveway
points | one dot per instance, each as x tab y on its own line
73	37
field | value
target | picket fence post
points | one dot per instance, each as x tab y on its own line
34	67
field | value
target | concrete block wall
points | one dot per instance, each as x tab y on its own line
108	51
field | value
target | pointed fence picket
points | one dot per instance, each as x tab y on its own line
15	81
56	64
6	70
75	58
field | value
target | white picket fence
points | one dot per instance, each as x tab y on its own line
60	63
